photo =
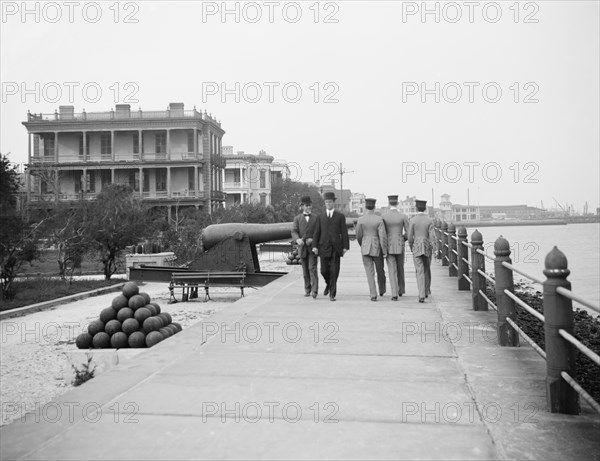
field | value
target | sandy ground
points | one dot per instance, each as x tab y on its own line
37	350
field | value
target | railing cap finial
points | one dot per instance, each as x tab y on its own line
476	238
451	227
556	262
462	232
501	247
444	225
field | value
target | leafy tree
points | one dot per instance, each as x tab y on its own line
286	196
66	233
18	240
115	220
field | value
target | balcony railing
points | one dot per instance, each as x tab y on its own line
157	195
118	115
235	184
119	157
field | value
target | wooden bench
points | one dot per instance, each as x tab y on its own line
191	281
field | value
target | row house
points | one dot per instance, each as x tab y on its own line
247	178
169	158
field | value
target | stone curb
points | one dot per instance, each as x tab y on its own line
54	302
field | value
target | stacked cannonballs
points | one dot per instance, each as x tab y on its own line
131	321
294	256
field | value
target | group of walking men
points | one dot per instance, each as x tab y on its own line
380	238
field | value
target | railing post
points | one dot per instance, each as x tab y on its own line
507	336
452	272
444	228
478	262
560	354
463	267
438	237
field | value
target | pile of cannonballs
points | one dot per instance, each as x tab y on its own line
131	321
293	257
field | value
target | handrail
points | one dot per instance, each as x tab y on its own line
524	335
524	305
518	271
483	253
468	279
467	262
490	303
582	347
483	274
581	391
572	296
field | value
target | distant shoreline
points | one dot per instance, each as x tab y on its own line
520	222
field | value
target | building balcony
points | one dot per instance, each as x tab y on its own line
70	117
236	185
156	195
133	157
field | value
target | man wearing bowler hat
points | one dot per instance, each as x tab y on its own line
421	239
303	229
396	227
371	236
331	239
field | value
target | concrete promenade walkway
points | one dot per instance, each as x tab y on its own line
280	376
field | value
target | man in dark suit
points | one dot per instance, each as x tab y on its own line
303	229
421	238
331	238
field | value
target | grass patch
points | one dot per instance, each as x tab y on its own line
47	265
37	290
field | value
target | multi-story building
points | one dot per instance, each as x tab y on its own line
247	178
169	158
357	204
449	211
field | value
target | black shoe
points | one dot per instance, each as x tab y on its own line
374	298
307	294
394	298
381	293
326	292
332	298
421	300
314	294
399	294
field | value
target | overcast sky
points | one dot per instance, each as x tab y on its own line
516	121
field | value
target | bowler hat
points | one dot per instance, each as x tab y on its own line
421	203
370	202
329	196
306	200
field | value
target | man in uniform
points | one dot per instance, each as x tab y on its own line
421	239
330	243
303	229
371	236
396	227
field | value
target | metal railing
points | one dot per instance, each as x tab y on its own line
563	391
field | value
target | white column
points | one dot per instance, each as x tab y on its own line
112	144
168	144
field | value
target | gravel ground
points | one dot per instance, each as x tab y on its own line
37	349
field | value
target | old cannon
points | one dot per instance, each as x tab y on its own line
227	247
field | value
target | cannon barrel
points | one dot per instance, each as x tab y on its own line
256	233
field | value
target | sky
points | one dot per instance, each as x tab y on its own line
489	102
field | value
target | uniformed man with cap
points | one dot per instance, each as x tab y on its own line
396	227
421	238
330	243
303	229
371	236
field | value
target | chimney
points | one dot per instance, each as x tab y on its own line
66	112
176	109
122	110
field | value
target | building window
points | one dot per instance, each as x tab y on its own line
105	145
161	143
105	177
263	179
191	179
81	144
91	182
236	175
49	145
190	141
263	199
134	180
161	179
36	145
136	143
